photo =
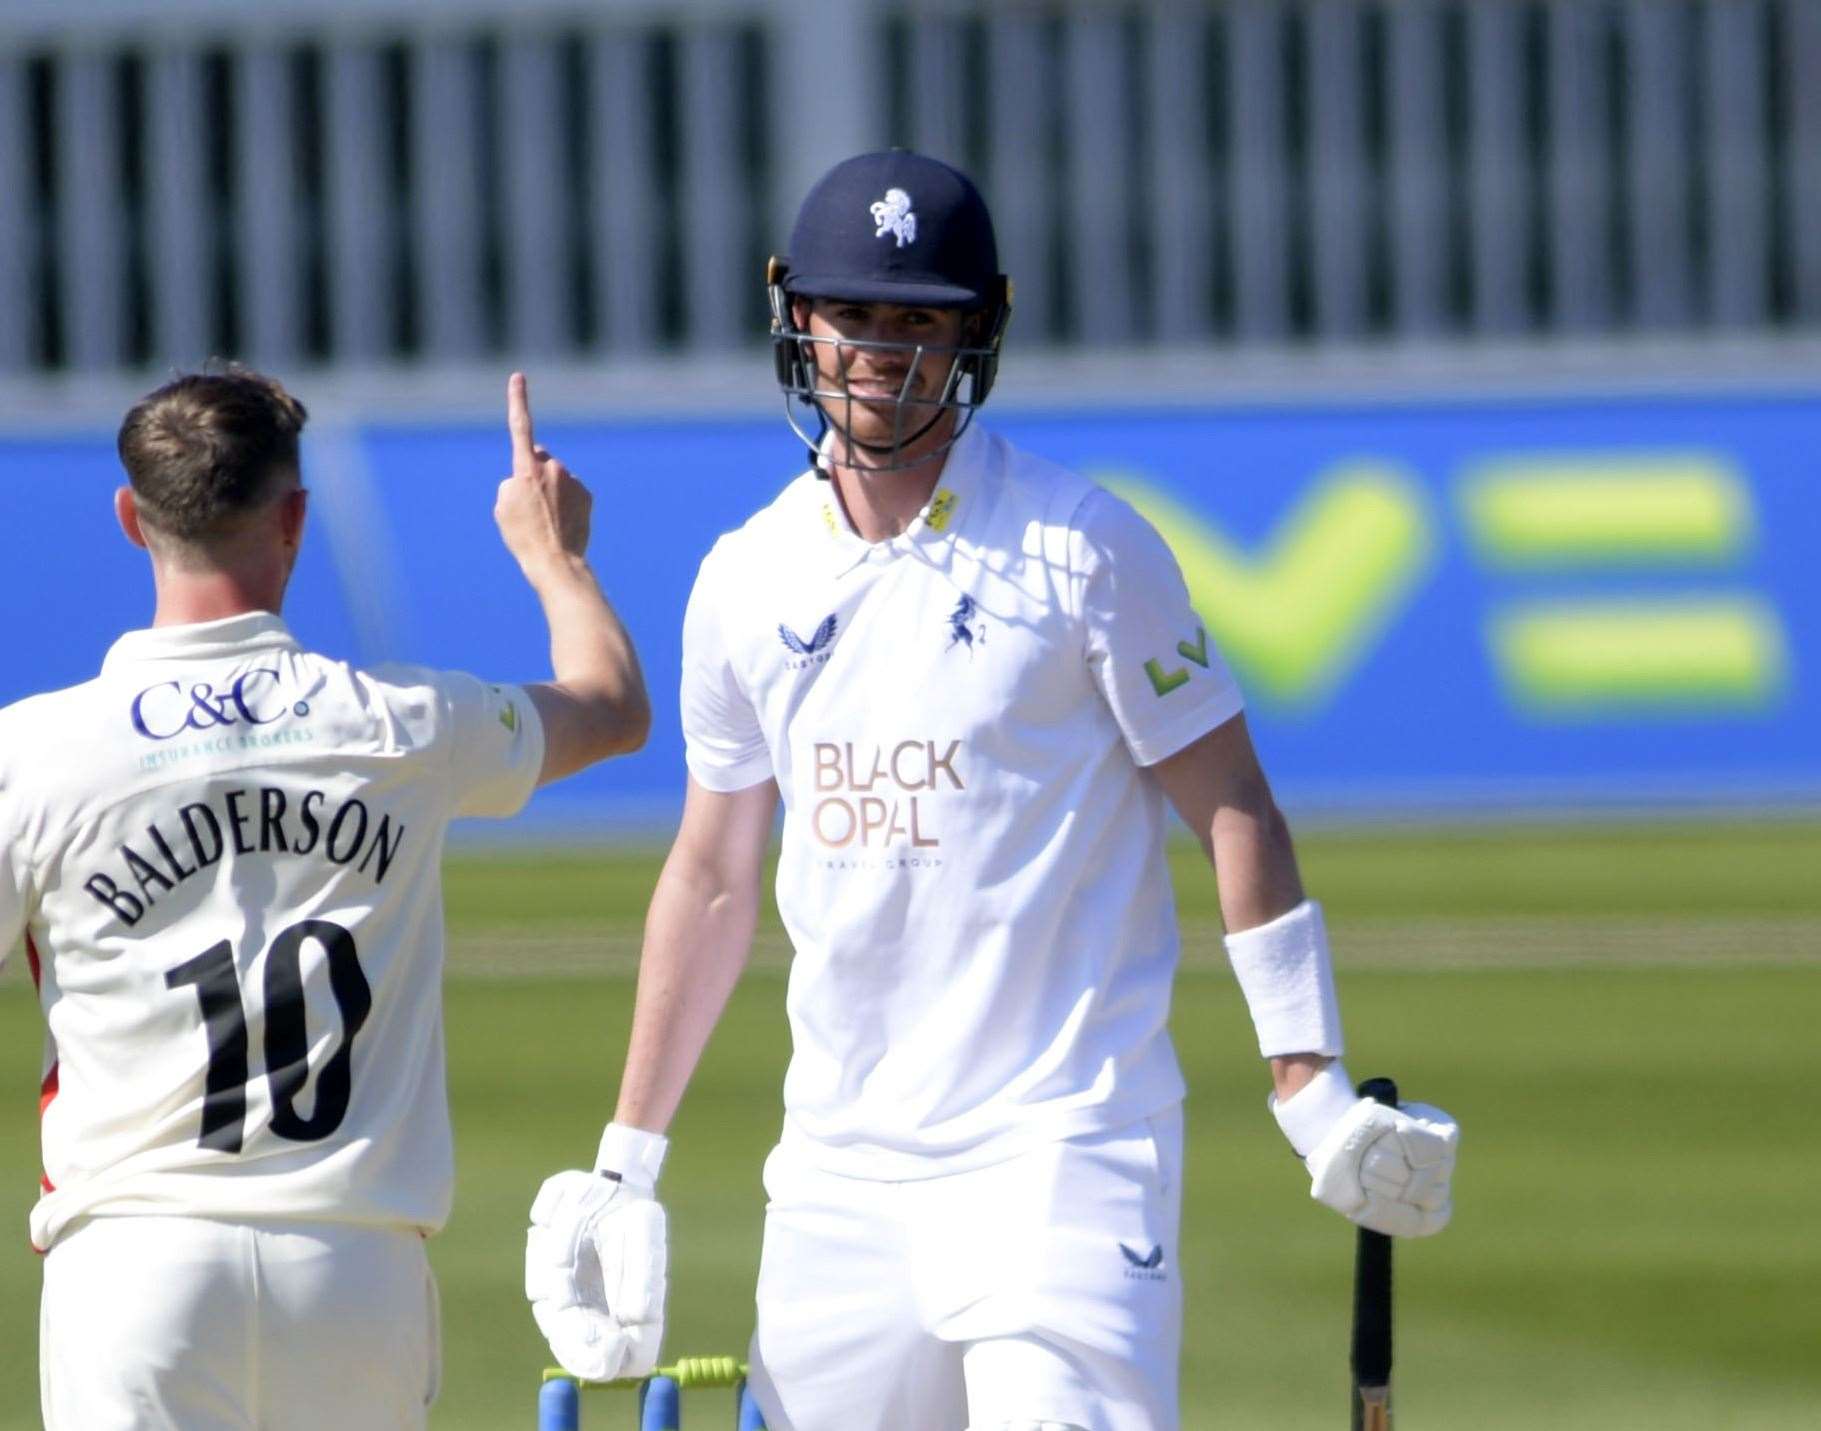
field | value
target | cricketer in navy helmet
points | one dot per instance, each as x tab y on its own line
977	684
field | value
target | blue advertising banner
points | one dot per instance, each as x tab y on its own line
1445	604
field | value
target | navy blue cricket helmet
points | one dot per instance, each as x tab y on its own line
891	227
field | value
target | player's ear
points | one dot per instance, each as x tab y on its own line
126	512
291	509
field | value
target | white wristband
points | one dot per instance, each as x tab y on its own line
1285	974
634	1154
1308	1114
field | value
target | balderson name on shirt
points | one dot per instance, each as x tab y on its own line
249	820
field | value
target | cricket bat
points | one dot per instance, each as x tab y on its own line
1371	1358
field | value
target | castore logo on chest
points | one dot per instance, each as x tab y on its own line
815	650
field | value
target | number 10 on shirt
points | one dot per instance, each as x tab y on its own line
216	980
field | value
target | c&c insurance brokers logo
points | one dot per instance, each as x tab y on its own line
186	718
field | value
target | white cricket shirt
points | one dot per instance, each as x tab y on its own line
973	871
224	853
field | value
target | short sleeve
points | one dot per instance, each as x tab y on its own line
496	744
723	741
1150	653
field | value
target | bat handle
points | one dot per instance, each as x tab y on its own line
1380	1090
1371	1351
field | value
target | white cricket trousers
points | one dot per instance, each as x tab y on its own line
1042	1289
194	1324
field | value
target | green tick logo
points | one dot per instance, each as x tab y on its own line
1298	614
1162	681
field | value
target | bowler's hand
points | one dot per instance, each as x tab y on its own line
542	510
595	1274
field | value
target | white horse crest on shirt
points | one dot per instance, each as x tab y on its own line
893	215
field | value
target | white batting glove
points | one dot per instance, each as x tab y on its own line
1387	1169
595	1260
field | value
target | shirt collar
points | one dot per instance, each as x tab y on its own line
952	506
202	640
947	511
841	547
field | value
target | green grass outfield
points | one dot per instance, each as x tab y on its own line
1627	1022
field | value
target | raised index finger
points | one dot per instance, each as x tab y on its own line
518	423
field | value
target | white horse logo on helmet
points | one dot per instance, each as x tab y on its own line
893	216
